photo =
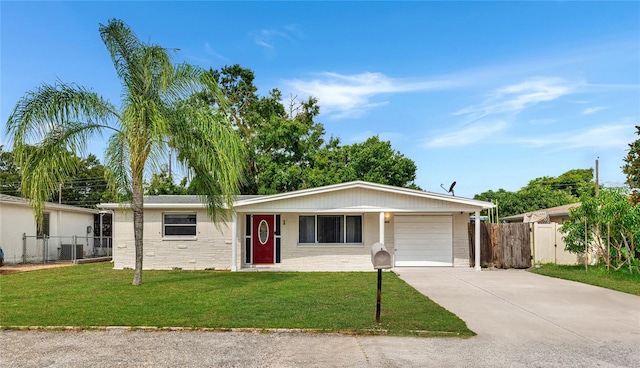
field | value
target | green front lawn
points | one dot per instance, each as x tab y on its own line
620	280
96	295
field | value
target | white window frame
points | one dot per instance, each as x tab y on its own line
164	226
344	229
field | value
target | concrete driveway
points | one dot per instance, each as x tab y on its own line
516	305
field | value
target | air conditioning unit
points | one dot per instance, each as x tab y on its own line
65	252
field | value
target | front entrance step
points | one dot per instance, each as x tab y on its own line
261	267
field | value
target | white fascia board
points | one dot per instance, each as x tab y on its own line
109	206
169	206
372	186
64	208
118	206
50	206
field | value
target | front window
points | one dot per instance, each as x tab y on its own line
179	224
330	229
43	230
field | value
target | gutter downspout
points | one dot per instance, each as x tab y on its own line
477	242
234	241
381	227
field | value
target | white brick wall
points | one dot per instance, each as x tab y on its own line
211	248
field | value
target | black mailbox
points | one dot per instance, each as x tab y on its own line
380	257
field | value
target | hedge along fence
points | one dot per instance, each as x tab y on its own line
502	245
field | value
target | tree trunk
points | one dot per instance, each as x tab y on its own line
138	225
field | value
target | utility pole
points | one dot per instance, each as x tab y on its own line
170	177
60	193
597	177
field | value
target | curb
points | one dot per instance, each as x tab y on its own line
366	332
183	329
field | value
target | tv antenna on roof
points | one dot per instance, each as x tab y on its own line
450	188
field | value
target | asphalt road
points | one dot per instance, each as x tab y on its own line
229	349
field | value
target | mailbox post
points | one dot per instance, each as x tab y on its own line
381	259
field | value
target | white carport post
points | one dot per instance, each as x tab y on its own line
234	241
382	227
477	242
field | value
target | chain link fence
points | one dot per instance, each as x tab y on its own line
43	249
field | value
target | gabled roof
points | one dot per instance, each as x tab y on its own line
19	201
365	185
170	201
245	202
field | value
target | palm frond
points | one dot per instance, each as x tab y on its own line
51	107
212	150
43	170
189	80
122	44
117	159
47	123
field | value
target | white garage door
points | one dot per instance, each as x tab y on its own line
423	240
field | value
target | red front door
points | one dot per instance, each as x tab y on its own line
263	235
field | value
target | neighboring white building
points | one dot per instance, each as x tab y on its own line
329	228
61	223
558	214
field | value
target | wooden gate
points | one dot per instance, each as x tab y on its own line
502	245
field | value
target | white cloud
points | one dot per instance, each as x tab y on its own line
600	137
467	135
495	113
541	122
592	110
209	50
515	98
344	96
267	37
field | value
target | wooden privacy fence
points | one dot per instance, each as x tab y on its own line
502	245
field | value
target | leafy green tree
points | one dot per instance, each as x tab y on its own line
631	168
279	140
329	163
88	185
372	160
162	184
609	216
157	112
509	203
543	192
9	173
237	83
376	161
284	145
574	182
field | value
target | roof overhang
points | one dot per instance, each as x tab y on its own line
245	204
23	202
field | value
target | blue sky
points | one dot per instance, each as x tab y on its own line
489	94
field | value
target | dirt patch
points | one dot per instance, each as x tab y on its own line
17	268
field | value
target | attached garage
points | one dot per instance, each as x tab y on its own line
423	240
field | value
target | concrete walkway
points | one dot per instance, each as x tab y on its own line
508	305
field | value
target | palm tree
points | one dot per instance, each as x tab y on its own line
157	113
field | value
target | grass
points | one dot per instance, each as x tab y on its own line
95	295
620	280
